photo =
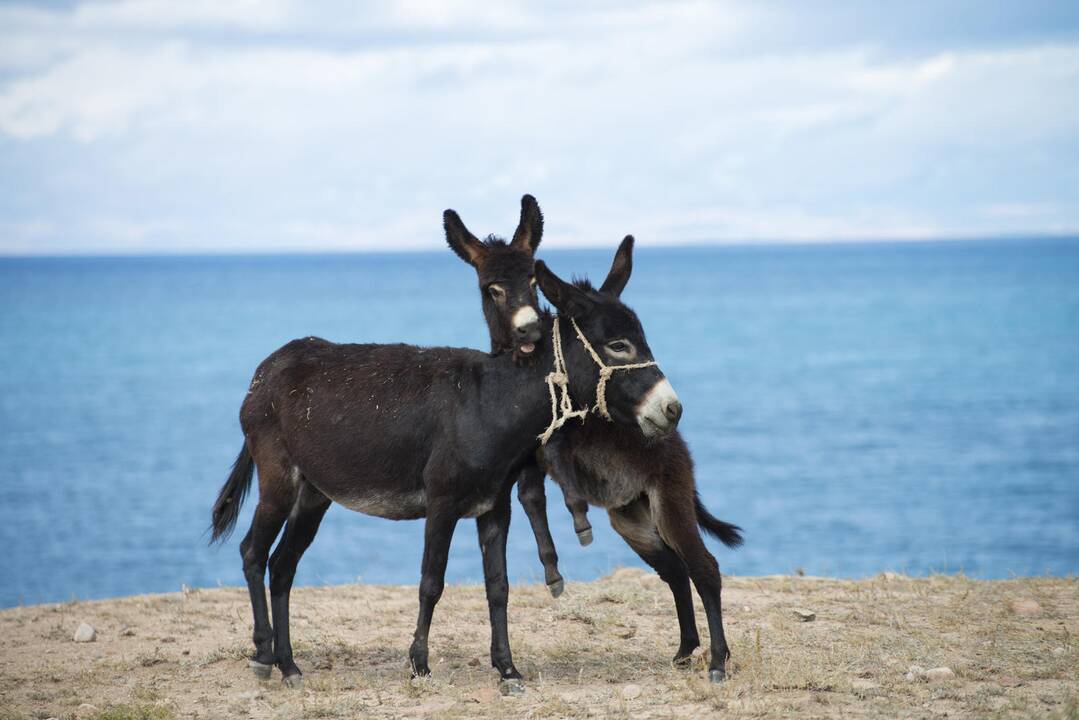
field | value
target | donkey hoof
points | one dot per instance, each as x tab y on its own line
262	670
557	587
717	676
294	681
585	536
511	686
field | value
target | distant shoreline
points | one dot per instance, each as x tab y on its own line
645	246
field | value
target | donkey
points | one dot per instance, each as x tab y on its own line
647	487
405	432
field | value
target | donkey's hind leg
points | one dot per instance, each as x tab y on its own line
677	524
276	496
533	499
300	530
634	523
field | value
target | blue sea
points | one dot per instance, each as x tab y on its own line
855	408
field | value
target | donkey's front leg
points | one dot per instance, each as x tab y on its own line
492	527
558	456
533	499
437	534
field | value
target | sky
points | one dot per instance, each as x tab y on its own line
203	126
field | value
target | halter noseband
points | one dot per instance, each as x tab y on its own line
560	377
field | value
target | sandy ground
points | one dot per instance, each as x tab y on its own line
601	650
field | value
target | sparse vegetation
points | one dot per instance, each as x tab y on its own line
602	650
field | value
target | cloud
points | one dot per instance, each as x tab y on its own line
204	126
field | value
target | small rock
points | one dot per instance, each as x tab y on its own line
511	688
485	696
892	576
1026	606
805	615
127	631
626	633
865	688
915	672
631	692
1058	651
474	662
939	674
1009	681
85	710
85	633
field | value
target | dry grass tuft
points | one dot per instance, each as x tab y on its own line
602	650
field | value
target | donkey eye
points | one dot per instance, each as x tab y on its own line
618	346
496	292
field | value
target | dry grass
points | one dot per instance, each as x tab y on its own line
602	650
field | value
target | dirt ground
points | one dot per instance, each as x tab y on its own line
601	650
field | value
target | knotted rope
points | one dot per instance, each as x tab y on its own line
559	377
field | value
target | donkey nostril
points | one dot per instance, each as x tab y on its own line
673	410
522	330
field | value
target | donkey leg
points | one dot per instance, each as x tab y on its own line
634	523
276	497
578	508
557	456
255	550
492	527
437	534
303	522
677	524
533	499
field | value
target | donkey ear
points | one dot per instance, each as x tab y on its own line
567	299
460	240
530	229
620	268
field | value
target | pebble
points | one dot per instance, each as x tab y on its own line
805	615
127	631
85	710
938	674
1058	651
1009	681
915	672
631	692
1026	606
85	633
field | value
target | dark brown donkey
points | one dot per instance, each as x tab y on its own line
404	432
647	485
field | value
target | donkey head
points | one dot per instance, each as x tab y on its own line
641	396
507	283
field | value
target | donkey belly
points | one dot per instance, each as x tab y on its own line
607	479
408	505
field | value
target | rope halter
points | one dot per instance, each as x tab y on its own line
562	406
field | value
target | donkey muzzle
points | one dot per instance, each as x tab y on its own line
660	410
526	330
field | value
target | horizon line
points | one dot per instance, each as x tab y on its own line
648	247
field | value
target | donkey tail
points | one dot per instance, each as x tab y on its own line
729	535
231	497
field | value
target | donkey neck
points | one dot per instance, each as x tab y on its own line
521	387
